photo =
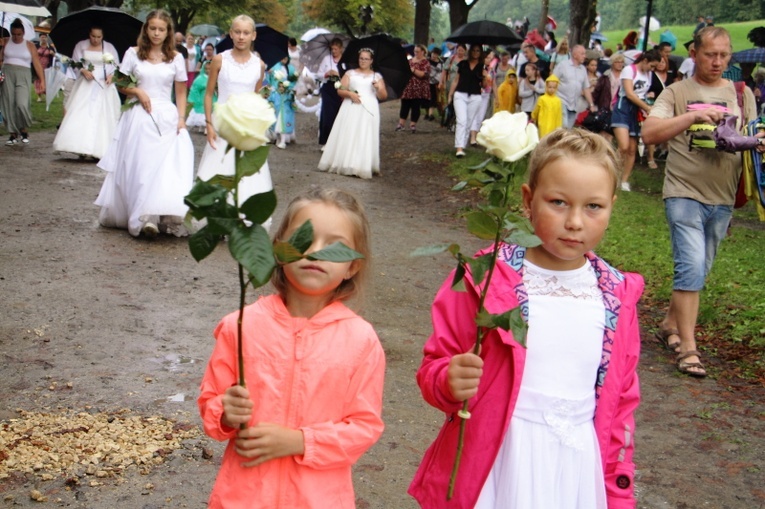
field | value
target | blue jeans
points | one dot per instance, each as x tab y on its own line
696	231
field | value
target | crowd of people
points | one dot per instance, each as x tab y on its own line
562	403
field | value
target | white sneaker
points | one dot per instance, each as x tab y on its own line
626	186
150	230
281	145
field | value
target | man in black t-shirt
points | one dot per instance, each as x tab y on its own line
530	52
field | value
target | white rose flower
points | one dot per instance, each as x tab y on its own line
243	120
108	58
65	59
338	85
508	136
280	75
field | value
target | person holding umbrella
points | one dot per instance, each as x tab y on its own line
465	93
93	107
18	56
330	100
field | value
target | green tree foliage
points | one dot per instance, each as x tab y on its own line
186	13
395	17
624	14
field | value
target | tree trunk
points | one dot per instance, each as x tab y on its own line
52	6
458	13
421	21
543	16
580	20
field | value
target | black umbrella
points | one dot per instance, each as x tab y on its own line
270	44
120	28
485	32
314	51
749	56
389	60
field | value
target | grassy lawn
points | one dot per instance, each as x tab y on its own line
684	34
732	315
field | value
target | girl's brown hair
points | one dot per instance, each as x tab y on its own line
576	144
346	202
144	43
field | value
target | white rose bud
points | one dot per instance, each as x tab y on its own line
108	58
508	136
338	85
243	120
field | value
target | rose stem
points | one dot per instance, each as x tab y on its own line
479	334
242	293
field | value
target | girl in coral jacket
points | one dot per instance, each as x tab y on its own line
552	423
314	375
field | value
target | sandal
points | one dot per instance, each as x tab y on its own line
653	165
663	336
695	369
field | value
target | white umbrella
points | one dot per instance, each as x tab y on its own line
653	24
27	7
313	33
6	18
54	79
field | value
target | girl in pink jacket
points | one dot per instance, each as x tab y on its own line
552	423
314	375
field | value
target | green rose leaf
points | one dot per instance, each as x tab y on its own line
480	266
222	225
251	247
431	250
458	283
517	325
484	319
286	252
204	194
259	207
226	181
482	225
524	239
303	237
202	243
336	252
249	162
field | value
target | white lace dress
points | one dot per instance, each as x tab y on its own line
92	111
149	164
235	78
550	457
353	147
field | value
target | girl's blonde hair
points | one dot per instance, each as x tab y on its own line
246	19
144	43
576	144
346	202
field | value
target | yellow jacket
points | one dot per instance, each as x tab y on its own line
548	114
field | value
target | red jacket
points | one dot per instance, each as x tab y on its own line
454	332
